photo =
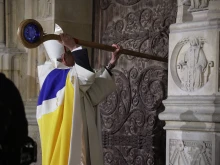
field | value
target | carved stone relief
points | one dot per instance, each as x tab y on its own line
196	5
186	152
192	67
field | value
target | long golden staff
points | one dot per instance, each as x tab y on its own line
31	35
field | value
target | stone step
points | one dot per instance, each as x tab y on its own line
31	102
30	107
30	110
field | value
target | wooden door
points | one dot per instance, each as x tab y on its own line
131	131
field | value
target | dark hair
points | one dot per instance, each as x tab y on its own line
13	124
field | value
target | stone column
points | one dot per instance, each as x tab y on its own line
192	109
2	23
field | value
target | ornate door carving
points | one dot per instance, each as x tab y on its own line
131	131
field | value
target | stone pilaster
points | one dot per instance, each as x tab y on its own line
192	111
2	23
182	14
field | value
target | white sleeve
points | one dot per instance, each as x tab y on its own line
96	87
101	88
78	48
85	77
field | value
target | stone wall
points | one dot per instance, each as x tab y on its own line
192	107
20	64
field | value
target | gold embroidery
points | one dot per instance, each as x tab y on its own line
72	79
57	102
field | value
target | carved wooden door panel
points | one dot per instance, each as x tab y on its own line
131	131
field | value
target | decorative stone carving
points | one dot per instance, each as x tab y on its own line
145	31
192	67
196	5
188	152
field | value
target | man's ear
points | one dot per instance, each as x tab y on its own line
68	52
61	58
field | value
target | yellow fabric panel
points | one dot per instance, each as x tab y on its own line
55	130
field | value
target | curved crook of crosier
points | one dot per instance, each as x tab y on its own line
31	35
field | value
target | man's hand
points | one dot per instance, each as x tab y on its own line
115	54
114	58
68	41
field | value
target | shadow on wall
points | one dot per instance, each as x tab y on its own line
191	152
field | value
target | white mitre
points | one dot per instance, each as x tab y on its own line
54	48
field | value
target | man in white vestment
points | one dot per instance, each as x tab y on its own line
66	111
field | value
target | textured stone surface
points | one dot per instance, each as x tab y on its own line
192	107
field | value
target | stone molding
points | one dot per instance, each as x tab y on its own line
192	126
192	108
195	26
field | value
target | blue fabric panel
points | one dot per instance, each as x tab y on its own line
54	82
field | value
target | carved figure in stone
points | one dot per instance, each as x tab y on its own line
190	153
196	4
193	66
196	154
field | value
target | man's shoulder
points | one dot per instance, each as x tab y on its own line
4	80
83	50
2	76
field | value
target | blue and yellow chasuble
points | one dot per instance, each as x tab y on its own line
54	114
66	114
